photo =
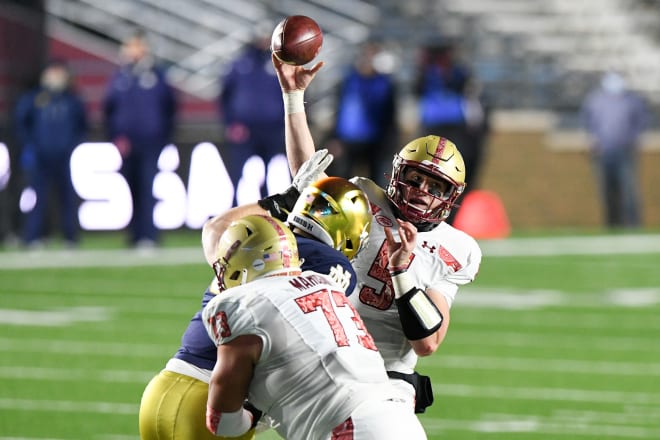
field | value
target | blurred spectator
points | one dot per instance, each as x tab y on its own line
139	110
450	105
615	118
365	128
50	123
252	116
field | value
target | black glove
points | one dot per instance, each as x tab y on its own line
256	414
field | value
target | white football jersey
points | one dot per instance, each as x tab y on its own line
444	258
318	361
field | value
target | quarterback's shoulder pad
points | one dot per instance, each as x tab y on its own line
456	244
375	193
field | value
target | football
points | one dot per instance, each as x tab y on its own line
296	40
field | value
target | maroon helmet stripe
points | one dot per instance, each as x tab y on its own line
439	150
283	241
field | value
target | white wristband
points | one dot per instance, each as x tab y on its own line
228	424
294	102
402	284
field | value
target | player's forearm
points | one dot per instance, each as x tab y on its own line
225	415
429	344
420	313
214	228
298	137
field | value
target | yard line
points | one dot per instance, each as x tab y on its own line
546	365
20	345
496	338
594	245
24	372
576	245
443	389
607	321
533	424
99	258
29	438
532	299
645	416
544	394
130	409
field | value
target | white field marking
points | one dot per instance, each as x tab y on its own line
591	367
533	424
639	416
55	317
578	245
100	258
115	437
102	348
97	437
518	299
595	245
29	438
76	374
544	394
130	409
495	338
609	322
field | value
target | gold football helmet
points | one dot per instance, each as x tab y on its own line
336	212
253	247
438	159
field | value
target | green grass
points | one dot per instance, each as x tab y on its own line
540	347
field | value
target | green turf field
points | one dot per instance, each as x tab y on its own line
557	339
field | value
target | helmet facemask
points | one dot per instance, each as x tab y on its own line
426	160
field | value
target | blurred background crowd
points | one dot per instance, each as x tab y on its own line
554	104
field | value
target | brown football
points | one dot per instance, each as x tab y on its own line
296	40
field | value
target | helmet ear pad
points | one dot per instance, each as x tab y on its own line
336	212
433	156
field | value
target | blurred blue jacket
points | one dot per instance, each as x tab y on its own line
50	124
615	120
140	105
251	93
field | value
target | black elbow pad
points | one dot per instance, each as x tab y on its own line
418	314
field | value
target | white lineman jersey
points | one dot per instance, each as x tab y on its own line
318	362
443	259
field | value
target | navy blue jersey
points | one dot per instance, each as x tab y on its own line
196	346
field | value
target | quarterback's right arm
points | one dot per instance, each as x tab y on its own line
293	81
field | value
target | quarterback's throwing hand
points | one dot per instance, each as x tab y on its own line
400	252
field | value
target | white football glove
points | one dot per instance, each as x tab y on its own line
311	170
